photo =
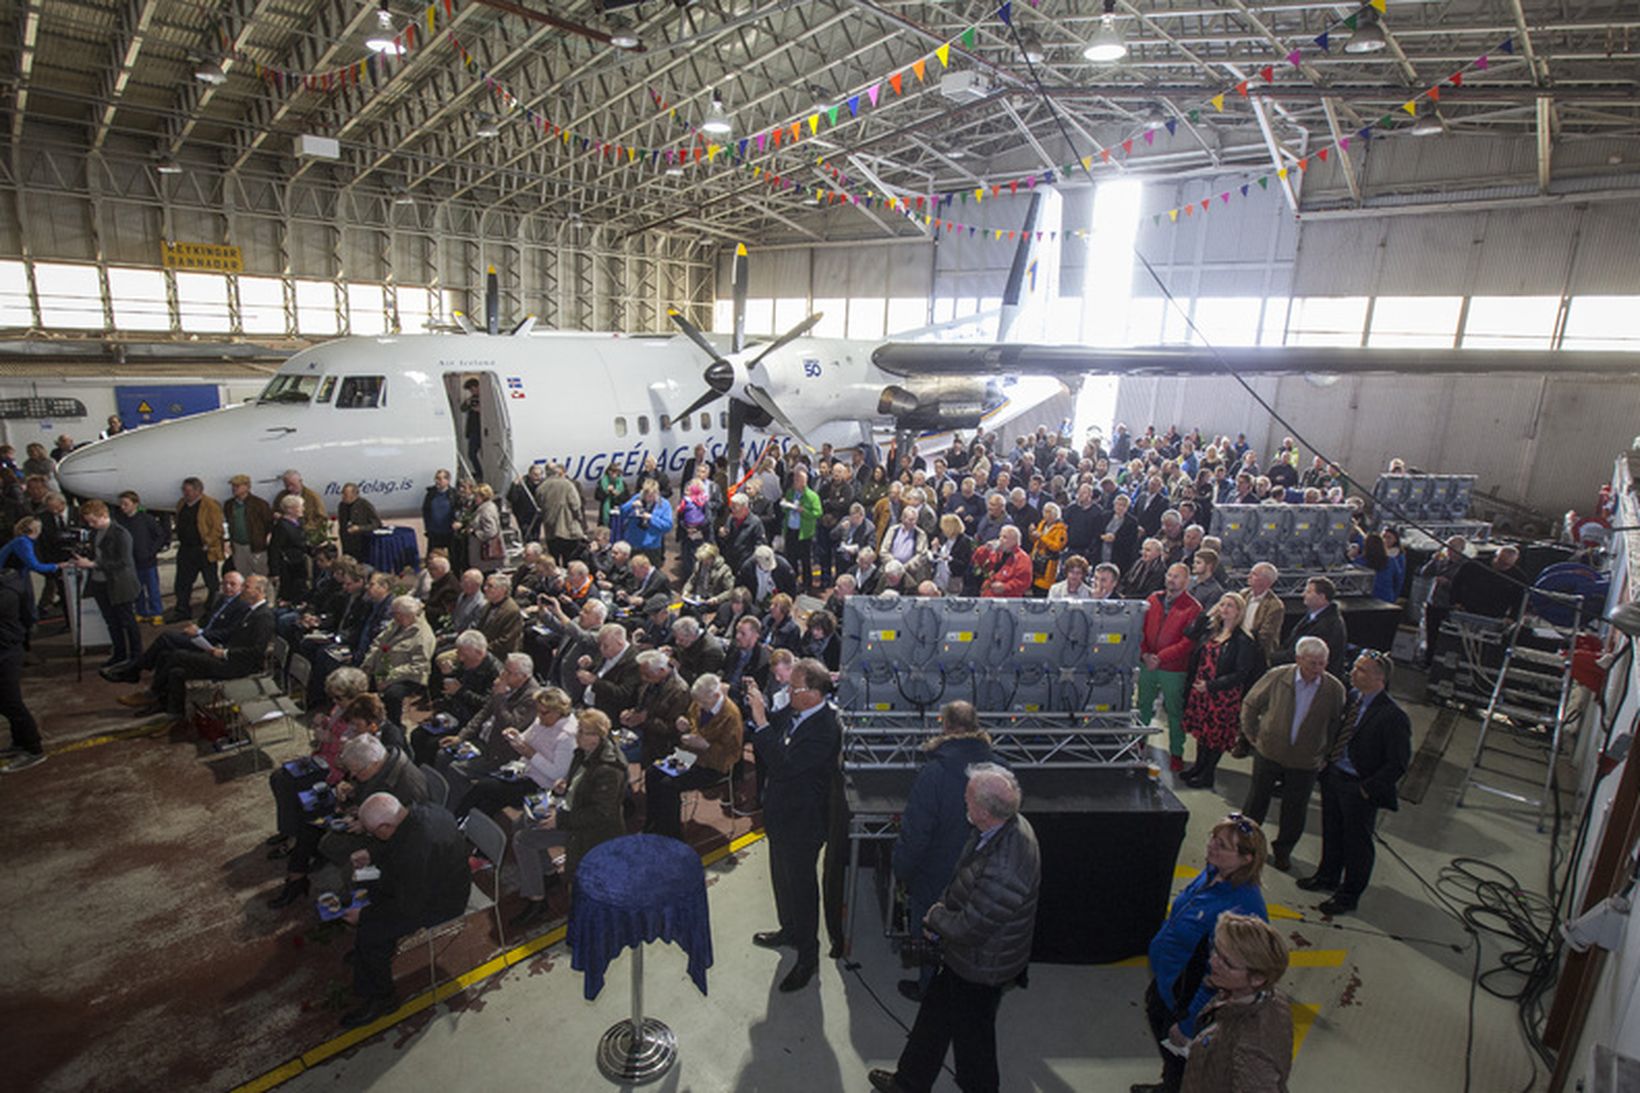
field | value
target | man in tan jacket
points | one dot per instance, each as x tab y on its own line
1290	718
714	729
1265	612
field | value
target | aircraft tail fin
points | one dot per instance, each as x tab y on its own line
1033	280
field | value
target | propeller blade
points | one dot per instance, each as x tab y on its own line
705	400
464	322
738	278
787	338
492	302
737	434
692	332
524	327
761	398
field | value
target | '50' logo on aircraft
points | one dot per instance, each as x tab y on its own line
811	367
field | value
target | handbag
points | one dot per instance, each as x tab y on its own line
492	550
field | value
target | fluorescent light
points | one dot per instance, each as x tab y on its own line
1429	123
168	166
487	130
403	197
1369	34
380	44
717	119
1107	44
625	39
674	172
211	72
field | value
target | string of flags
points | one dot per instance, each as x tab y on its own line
373	69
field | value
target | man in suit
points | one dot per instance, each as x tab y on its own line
609	681
219	623
1265	612
500	620
741	534
239	656
1321	620
713	730
798	747
660	700
511	706
1150	507
1288	718
1373	748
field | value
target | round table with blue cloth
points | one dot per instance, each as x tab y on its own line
633	890
393	548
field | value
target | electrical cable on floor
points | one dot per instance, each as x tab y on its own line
854	966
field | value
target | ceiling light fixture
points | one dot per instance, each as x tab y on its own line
674	172
1428	123
621	34
168	166
717	119
1030	43
487	128
210	72
1156	119
382	41
1107	44
1369	34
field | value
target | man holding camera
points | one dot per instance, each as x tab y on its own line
984	923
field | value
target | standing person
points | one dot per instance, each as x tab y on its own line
250	519
472	425
199	548
438	512
356	523
1245	1042
611	492
1288	719
485	547
645	520
287	552
797	749
1371	753
1048	539
1119	541
802	515
563	522
1230	883
933	827
113	584
1164	656
26	750
984	923
1221	669
148	538
1265	612
315	520
1321	619
1441	570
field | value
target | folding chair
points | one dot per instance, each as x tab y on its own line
438	787
489	840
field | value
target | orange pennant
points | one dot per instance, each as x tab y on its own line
895	80
1435	94
919	66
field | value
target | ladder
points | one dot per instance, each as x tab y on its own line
1524	723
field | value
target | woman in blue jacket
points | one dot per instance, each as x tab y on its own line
1236	852
934	827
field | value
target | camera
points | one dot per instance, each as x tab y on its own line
76	541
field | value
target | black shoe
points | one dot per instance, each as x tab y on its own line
373	1010
884	1081
1318	883
799	976
280	850
1337	906
292	891
772	939
835	952
1282	860
911	989
124	672
534	911
277	838
179	616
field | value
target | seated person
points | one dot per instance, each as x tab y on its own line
438	588
401	657
661	698
647	580
615	576
780	629
656	629
766	574
748	659
694	651
468	605
711	584
608	678
371	767
579	585
840	593
739	605
546	747
867	573
576	638
330	731
511	705
467	684
591	814
713	730
219	623
820	640
339	582
241	654
500	621
422	857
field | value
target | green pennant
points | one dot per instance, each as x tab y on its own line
831	116
1386	121
1195	116
1264	182
1350	22
965	197
968	37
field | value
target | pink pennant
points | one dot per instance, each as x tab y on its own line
762	138
1294	58
871	93
1480	62
1150	136
1225	197
1344	144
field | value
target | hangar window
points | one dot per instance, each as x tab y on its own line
643	425
41	409
620	426
362	393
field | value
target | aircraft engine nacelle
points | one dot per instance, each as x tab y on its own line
938	402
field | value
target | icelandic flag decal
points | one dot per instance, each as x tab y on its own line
515	386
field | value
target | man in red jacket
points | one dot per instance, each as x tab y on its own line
1165	655
1008	569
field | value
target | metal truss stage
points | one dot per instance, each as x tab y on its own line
893	741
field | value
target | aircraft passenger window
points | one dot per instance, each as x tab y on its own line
643	425
620	426
665	423
705	421
326	389
723	419
683	423
362	393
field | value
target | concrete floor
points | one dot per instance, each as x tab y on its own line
1375	1013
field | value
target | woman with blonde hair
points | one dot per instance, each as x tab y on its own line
1223	667
1244	1042
1048	541
487	550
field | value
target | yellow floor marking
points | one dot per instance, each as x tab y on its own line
1304	1016
152	728
309	1059
1318	958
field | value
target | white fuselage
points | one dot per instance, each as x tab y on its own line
386	413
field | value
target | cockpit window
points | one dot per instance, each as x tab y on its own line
362	393
326	389
289	388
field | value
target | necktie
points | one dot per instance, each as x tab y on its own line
1352	717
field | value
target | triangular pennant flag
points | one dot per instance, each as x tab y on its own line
1378	5
1150	136
831	117
1206	203
1295	58
968	38
1350	22
1481	62
996	190
1013	186
814	123
1104	155
1006	13
1411	107
1194	116
1304	164
1323	40
1244	188
1172	126
797	130
1322	154
1434	94
1365	133
1264	182
895	80
1241	89
1282	173
1218	102
1343	144
1457	79
1507	45
1190	210
1127	146
1087	163
762	141
854	106
979	193
1225	197
871	93
1173	214
1267	74
918	67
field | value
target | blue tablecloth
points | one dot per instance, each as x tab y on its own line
391	549
633	890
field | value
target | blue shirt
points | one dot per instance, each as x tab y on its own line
1303	698
1343	761
1194	915
20	551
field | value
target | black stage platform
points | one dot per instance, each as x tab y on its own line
1369	622
1109	841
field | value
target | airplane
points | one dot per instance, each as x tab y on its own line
387	412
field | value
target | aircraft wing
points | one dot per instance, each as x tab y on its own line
967	359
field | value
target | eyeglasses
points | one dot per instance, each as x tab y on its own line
1242	823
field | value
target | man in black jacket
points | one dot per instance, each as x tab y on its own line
219	623
984	922
240	656
837	495
424	881
1371	752
1321	619
26	749
740	534
798	747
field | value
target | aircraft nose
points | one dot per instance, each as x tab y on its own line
92	471
143	460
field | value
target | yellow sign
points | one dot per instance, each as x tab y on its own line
211	256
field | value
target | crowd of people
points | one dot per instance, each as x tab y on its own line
628	653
